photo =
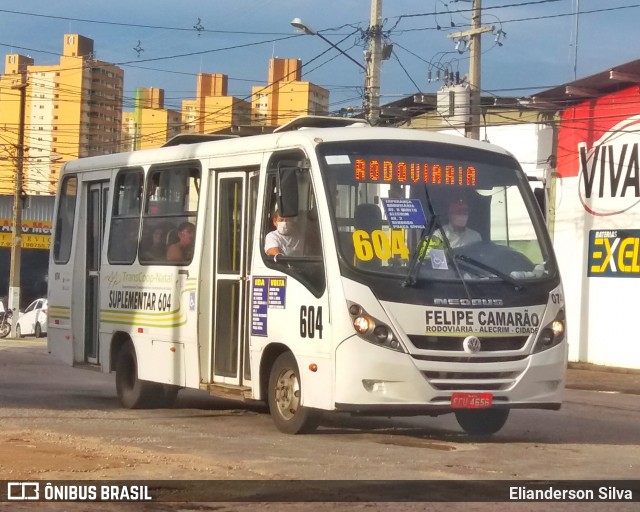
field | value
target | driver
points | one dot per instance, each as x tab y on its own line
285	239
456	230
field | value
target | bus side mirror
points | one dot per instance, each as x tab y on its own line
287	195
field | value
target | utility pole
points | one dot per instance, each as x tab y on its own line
373	59
575	46
16	238
472	129
374	63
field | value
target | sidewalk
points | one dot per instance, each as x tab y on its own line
603	378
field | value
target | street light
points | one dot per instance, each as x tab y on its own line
371	100
301	26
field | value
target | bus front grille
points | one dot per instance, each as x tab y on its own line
454	343
484	381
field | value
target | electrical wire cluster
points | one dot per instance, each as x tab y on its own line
443	66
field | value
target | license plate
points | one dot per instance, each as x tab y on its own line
471	400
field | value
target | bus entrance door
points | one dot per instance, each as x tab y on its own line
234	229
97	197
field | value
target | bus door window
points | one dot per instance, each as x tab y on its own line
293	244
170	214
125	217
65	219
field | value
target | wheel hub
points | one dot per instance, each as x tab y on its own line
287	393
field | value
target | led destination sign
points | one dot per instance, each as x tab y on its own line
399	171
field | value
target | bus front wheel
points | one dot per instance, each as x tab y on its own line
482	422
285	394
133	393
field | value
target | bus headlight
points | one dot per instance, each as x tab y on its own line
551	335
363	324
373	330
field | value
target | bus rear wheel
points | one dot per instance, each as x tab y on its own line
285	396
133	393
482	422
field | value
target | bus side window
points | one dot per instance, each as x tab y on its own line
125	217
171	206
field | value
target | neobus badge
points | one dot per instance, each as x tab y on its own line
468	302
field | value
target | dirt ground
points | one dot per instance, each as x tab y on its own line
38	455
59	423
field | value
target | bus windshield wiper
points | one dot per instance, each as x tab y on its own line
422	247
420	252
498	273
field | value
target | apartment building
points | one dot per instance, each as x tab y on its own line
150	125
212	110
72	109
286	96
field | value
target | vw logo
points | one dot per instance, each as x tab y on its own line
471	344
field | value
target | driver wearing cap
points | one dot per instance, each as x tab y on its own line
456	230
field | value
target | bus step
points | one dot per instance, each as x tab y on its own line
227	391
88	366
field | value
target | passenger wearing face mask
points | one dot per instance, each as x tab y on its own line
284	239
456	230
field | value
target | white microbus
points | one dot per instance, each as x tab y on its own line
381	301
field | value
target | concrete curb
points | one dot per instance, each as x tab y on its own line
594	377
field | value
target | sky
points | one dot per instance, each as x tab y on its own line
177	40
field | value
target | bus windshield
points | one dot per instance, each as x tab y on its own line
424	211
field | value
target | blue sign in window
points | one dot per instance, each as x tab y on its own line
404	213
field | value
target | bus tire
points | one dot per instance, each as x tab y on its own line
133	393
482	422
285	393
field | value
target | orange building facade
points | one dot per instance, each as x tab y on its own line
286	96
72	110
150	125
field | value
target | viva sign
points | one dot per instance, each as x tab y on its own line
609	171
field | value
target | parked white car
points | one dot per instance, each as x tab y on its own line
34	319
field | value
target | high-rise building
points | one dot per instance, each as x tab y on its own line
150	125
286	96
73	109
212	110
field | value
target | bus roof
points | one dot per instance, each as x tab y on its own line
308	137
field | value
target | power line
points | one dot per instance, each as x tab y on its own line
137	25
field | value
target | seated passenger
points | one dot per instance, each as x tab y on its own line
156	247
182	250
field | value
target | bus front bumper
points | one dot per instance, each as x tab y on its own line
376	380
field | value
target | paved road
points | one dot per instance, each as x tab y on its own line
60	423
